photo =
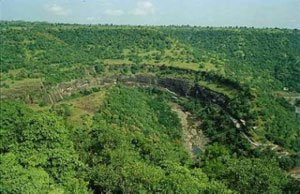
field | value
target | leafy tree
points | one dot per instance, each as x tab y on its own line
254	176
37	143
17	179
99	68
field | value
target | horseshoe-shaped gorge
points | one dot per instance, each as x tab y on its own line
139	122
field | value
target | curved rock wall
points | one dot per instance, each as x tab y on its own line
177	85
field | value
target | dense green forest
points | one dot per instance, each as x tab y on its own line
140	109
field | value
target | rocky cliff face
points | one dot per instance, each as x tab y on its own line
182	87
208	95
57	93
179	86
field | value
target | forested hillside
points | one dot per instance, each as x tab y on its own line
141	109
266	58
